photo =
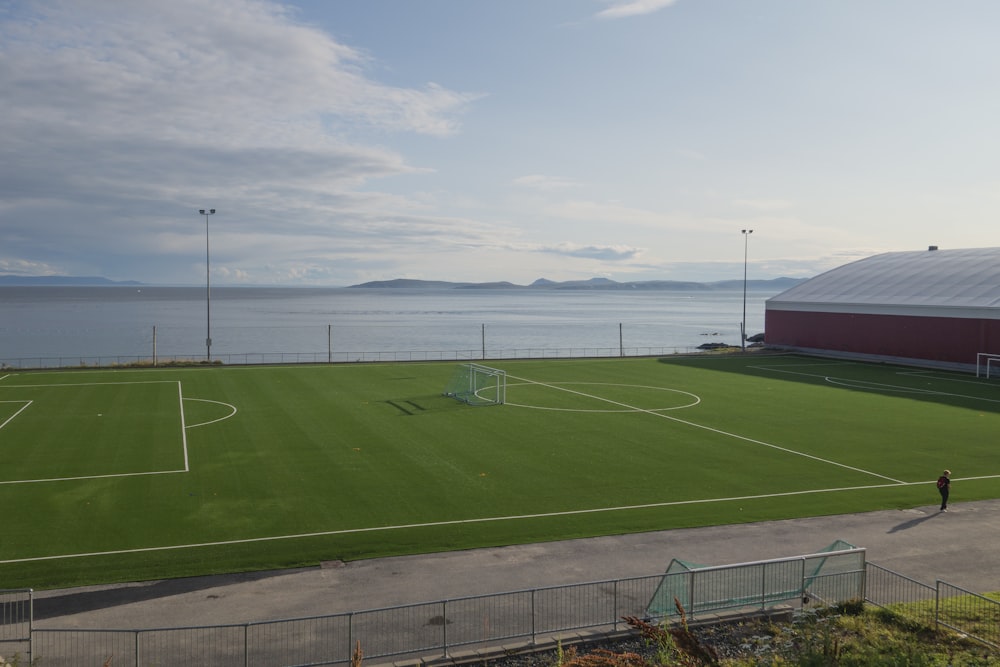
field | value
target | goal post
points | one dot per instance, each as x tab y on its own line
984	362
476	384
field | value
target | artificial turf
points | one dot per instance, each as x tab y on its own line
153	473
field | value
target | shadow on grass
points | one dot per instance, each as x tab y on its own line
944	387
418	405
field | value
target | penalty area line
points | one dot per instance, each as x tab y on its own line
458	522
715	430
82	477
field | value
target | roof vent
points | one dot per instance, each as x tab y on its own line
931	247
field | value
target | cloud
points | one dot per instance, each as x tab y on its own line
628	8
616	253
613	213
119	120
226	72
25	268
545	183
764	204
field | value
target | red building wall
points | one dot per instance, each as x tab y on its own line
946	339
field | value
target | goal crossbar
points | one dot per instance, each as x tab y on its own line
476	384
984	362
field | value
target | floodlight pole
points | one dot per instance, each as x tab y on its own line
743	324
208	291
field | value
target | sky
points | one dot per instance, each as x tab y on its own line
345	141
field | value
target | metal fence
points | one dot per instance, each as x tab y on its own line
825	578
335	357
16	614
968	613
478	626
901	595
941	605
418	631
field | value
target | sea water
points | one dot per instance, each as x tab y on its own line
58	326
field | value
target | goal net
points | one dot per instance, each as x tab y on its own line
831	575
984	362
478	385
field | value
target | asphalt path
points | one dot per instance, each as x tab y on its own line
961	547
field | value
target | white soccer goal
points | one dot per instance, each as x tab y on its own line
984	362
476	384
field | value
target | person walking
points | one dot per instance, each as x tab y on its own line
944	488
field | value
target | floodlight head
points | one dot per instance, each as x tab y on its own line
202	211
212	211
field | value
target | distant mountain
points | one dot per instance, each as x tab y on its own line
405	283
70	281
591	284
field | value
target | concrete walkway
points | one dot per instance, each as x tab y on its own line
961	547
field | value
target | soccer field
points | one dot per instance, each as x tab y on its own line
139	474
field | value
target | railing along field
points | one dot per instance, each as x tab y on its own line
490	625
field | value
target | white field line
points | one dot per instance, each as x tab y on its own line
220	419
184	436
879	386
457	522
84	384
930	375
696	401
22	409
184	427
715	430
521	517
73	479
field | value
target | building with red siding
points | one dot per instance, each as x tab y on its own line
932	307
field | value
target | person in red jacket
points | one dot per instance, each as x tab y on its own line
944	488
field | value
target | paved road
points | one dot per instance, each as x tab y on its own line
961	547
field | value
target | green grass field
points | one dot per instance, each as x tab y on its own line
139	474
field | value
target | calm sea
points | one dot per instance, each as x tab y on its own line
55	326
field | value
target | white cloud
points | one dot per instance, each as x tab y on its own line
120	120
613	213
628	8
20	267
545	183
764	204
610	253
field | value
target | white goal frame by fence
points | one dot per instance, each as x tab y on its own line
984	360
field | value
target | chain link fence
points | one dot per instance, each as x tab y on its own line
480	626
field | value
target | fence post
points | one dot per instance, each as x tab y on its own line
350	632
690	610
937	604
31	625
763	587
444	629
614	601
864	577
802	581
246	645
533	617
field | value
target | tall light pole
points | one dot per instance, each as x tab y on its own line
743	324
208	291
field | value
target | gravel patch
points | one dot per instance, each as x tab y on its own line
753	639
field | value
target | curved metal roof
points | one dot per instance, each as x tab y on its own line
944	280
